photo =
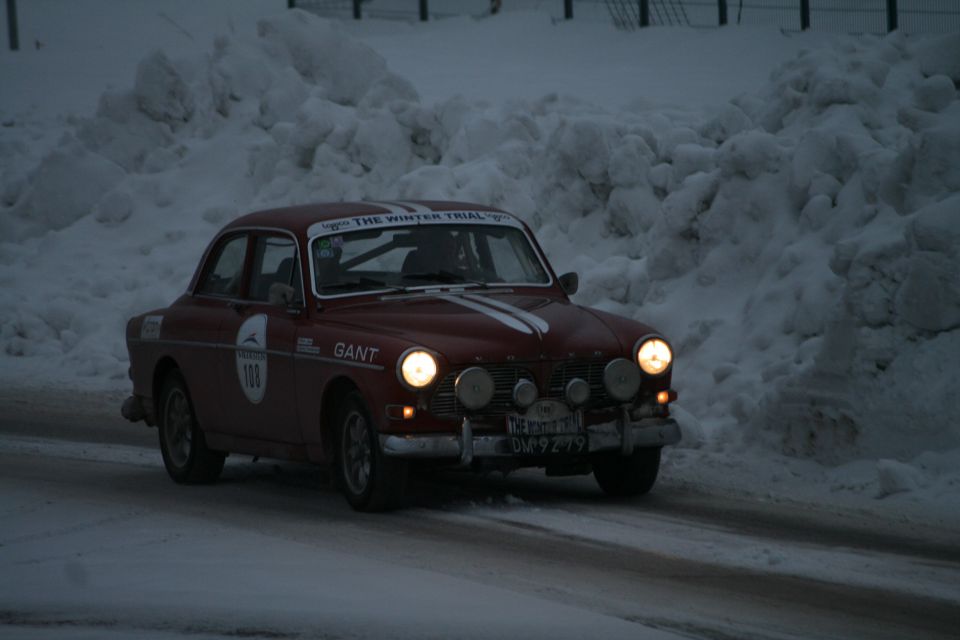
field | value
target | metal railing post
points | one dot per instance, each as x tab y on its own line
722	12
804	15
568	9
13	30
892	17
424	13
356	10
644	13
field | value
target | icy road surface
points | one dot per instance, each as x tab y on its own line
96	541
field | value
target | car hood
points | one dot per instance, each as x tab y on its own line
477	326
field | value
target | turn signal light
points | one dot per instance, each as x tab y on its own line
666	397
401	412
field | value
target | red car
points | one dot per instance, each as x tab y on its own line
375	335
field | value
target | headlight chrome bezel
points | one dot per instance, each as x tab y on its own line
653	338
401	374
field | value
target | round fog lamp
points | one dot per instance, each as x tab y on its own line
474	388
524	393
577	391
418	369
622	379
654	356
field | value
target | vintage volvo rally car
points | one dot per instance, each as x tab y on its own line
371	336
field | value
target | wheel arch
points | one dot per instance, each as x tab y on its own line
335	391
162	369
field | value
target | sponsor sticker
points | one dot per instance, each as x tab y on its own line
251	357
150	329
305	345
355	352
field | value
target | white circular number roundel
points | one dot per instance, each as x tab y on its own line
252	357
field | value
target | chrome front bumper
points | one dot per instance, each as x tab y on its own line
610	436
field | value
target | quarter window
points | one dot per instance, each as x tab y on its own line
226	274
274	262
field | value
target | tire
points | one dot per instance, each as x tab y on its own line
632	475
369	480
184	449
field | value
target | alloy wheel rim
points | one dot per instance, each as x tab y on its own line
178	427
357	455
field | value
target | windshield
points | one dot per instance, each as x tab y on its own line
424	255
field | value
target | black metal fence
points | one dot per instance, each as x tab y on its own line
842	16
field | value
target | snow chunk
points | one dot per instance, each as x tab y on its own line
897	477
936	227
161	91
940	55
346	68
935	94
750	153
62	189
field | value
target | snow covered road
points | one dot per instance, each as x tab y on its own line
95	541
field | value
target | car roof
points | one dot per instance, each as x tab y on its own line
300	218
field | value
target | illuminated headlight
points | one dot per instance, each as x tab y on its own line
524	393
654	356
474	388
417	368
577	392
622	379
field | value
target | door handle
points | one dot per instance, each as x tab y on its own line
239	307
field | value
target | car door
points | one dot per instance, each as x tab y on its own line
257	385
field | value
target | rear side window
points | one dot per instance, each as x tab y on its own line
275	261
223	278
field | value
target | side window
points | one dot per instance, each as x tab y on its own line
224	277
274	261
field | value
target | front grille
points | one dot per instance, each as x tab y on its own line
444	403
589	370
505	376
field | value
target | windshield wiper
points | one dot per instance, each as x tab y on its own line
364	283
442	276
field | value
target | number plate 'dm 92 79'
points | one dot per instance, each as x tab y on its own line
557	436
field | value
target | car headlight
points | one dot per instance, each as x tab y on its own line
654	356
622	379
418	368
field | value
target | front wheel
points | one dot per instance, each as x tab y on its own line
632	475
184	449
369	480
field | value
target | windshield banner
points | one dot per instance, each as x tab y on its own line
381	220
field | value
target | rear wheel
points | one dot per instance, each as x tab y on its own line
369	480
632	475
184	449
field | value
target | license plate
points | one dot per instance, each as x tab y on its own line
548	445
564	425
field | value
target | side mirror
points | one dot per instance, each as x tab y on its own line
281	295
570	282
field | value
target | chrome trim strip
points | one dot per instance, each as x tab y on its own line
346	363
210	345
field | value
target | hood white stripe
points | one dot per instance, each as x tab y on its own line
418	208
502	318
536	321
392	207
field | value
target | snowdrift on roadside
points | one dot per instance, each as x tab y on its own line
799	246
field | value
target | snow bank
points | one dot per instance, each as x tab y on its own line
799	246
